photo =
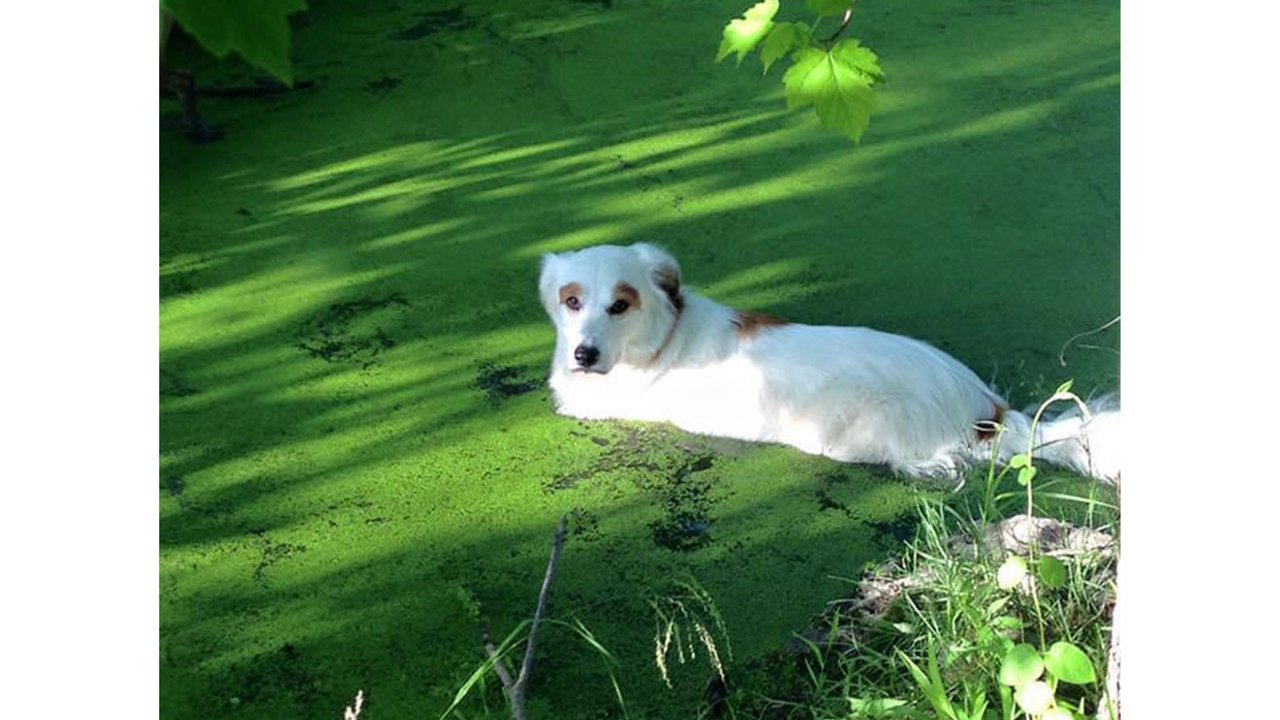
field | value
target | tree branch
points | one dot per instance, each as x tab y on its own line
557	544
516	689
500	667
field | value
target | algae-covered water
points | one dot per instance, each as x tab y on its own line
360	469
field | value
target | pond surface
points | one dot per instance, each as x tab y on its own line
360	469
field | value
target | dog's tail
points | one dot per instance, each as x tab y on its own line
1088	443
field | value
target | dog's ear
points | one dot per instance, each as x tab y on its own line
547	282
664	271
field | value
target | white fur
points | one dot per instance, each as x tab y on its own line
852	394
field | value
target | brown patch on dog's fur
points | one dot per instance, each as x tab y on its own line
749	324
667	279
624	291
570	290
986	429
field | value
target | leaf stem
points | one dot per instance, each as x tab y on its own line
844	23
1062	394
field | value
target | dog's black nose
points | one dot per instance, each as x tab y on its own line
586	356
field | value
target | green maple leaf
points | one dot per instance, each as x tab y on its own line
862	59
837	83
256	29
781	40
743	34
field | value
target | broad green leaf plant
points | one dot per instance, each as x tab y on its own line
257	30
833	75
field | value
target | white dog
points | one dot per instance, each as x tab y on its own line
633	343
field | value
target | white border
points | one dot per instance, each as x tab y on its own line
79	295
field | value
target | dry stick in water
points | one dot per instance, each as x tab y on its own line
1062	354
515	690
500	667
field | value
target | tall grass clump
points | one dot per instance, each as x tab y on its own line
1000	608
686	619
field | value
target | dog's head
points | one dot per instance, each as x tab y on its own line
610	305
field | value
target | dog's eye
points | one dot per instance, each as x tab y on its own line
573	303
619	307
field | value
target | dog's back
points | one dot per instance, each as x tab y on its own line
868	396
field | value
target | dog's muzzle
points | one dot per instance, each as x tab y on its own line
586	356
